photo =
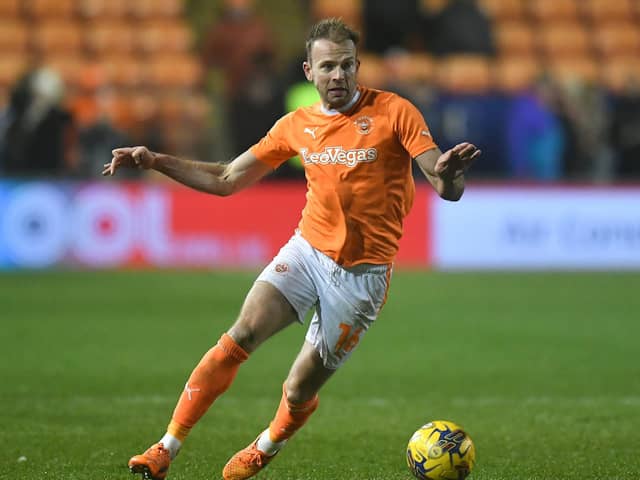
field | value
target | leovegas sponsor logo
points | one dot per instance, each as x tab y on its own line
340	156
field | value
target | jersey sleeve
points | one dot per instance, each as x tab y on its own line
410	126
274	148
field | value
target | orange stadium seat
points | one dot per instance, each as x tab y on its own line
515	74
156	9
576	68
563	39
350	11
617	72
553	10
110	36
617	39
50	8
101	9
174	71
170	8
605	10
422	68
122	71
14	35
503	10
144	106
10	8
372	72
166	35
12	67
58	36
118	109
515	38
464	74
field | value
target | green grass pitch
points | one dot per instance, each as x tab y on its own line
542	369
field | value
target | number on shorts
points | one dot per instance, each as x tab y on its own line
349	338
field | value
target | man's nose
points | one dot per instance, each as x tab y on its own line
338	73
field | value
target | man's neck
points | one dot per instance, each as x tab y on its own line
335	111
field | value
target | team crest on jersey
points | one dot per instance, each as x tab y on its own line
364	125
281	268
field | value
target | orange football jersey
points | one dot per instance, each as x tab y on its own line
358	169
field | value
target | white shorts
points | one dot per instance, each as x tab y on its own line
346	300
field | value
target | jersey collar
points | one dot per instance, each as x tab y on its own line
336	111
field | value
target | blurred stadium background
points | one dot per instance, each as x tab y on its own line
549	90
510	311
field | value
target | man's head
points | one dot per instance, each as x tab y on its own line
332	62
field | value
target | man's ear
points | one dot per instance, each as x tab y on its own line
306	66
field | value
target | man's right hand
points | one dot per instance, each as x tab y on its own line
132	157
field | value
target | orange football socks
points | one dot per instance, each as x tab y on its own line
290	417
211	377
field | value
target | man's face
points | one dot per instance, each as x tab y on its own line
332	68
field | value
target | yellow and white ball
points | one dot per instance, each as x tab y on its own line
441	450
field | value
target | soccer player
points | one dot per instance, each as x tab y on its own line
357	145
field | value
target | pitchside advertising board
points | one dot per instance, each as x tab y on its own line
544	228
139	225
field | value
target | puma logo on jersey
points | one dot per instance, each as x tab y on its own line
311	131
339	156
425	133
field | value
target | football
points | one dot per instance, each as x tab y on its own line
440	450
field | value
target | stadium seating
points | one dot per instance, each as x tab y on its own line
10	8
616	72
515	73
58	36
117	57
464	74
553	10
503	10
14	35
563	39
49	9
515	38
104	37
145	47
607	10
617	39
103	9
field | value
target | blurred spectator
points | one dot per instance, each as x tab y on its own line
460	27
254	111
97	134
535	137
391	24
625	129
242	45
587	111
39	136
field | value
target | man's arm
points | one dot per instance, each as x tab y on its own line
445	171
215	178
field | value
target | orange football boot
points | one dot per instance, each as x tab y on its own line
246	463
152	464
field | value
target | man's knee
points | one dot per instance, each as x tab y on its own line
244	335
299	391
264	312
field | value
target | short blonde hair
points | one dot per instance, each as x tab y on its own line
333	29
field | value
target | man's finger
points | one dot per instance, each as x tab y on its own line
119	152
467	150
460	147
